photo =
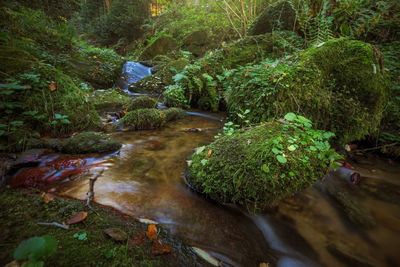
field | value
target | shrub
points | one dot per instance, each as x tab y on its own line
142	102
143	119
340	85
259	166
202	80
174	96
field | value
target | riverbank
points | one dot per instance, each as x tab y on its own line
85	243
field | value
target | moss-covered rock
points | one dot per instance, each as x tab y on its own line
143	119
142	102
172	114
279	16
196	42
202	80
165	69
162	45
258	166
89	142
340	85
174	96
109	100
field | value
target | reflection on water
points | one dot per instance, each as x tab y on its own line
145	180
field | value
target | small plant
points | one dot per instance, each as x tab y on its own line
81	236
175	96
35	249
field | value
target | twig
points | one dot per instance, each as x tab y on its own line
90	193
55	224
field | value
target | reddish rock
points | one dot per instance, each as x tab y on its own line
32	177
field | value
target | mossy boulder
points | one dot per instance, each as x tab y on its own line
340	85
162	45
163	76
196	42
259	166
279	16
109	100
202	80
142	102
143	119
89	142
172	114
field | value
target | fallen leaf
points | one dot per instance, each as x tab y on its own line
137	240
147	221
116	234
263	264
151	232
77	217
158	248
52	86
205	256
47	197
209	153
13	264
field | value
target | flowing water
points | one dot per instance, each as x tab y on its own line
145	180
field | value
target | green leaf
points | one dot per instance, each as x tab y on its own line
281	159
204	162
292	148
27	248
276	151
290	116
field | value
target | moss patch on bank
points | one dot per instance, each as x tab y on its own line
143	119
22	210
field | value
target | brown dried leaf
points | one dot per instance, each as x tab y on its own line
52	86
151	232
116	234
48	197
209	153
77	217
158	248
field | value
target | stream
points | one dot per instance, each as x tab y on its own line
145	180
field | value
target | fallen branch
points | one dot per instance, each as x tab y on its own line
90	193
55	224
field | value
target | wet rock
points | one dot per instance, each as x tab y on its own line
116	234
281	16
89	142
32	177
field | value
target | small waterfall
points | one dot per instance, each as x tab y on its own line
133	72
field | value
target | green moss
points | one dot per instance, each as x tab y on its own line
259	166
99	66
162	45
202	80
340	85
109	100
89	142
143	119
21	211
142	102
172	114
